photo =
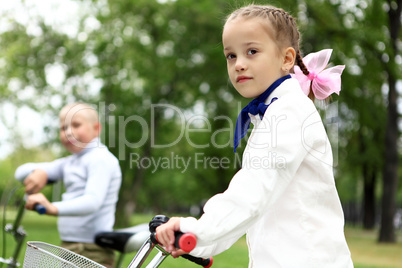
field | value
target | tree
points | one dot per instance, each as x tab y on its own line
156	71
30	58
157	61
362	36
390	173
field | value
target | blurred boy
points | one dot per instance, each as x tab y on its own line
92	179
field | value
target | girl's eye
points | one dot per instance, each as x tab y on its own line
230	56
251	51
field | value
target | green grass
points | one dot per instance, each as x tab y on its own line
366	252
36	227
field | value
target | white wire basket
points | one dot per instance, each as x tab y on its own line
40	254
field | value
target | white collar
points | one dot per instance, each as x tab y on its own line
288	86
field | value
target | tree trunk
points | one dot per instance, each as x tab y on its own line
369	199
390	173
369	183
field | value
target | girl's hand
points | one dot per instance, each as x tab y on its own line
165	236
35	181
39	198
177	253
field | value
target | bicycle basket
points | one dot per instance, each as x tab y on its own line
40	254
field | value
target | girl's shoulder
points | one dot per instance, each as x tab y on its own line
293	100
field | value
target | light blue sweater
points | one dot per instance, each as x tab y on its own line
92	180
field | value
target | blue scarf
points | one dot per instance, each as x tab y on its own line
256	106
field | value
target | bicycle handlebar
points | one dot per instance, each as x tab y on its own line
184	241
39	208
206	263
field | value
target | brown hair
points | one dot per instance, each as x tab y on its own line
284	27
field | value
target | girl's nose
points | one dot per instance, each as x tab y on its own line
240	65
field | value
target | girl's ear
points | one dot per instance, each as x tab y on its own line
289	58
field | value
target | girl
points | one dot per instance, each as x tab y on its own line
284	197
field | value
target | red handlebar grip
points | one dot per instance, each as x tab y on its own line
211	260
187	242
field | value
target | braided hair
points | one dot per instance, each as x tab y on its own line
283	28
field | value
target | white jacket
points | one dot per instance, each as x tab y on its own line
284	197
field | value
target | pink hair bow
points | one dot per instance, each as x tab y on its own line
323	81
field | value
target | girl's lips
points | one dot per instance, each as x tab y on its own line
242	79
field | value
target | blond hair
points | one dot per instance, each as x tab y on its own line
284	27
69	110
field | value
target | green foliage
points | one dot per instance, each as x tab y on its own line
162	80
358	36
167	60
9	164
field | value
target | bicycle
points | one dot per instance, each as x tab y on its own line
140	238
16	230
40	253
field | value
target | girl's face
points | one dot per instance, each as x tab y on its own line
254	61
76	131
